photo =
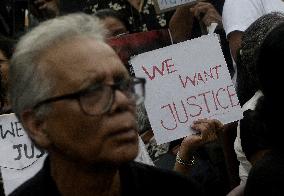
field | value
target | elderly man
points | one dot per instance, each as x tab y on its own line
76	100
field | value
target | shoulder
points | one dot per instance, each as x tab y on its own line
266	177
39	185
163	181
29	188
239	14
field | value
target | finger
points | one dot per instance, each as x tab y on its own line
202	9
202	120
205	126
211	17
208	20
207	133
214	122
201	127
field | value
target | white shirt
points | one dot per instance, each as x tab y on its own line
238	15
143	155
245	165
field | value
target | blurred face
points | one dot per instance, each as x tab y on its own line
110	138
114	26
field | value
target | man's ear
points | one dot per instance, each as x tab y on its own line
36	128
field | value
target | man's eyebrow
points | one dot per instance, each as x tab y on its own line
117	77
90	81
3	60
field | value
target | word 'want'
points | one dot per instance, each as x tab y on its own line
201	77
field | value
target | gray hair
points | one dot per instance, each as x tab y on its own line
28	83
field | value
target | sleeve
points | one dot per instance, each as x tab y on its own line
239	14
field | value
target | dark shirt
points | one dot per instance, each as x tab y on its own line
136	178
266	176
145	20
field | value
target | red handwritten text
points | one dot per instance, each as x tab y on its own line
201	77
167	67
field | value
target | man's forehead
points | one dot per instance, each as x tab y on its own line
77	51
81	58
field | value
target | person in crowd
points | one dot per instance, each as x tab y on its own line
45	9
238	15
248	80
190	159
5	18
255	142
209	131
76	100
117	26
41	10
6	51
192	21
113	21
189	22
140	14
266	176
254	135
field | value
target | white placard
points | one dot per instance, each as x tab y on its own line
166	5
186	82
12	179
19	158
16	149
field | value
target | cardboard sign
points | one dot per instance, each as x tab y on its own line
16	149
12	179
19	158
186	82
167	5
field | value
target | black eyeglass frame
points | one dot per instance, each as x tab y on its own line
78	94
4	61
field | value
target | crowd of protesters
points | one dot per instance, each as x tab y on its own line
105	145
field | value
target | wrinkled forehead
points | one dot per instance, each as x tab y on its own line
79	61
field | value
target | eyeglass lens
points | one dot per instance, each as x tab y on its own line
100	100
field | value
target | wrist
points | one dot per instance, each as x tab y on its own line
188	162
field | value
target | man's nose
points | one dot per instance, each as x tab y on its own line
121	101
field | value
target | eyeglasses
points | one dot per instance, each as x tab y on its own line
3	61
98	99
